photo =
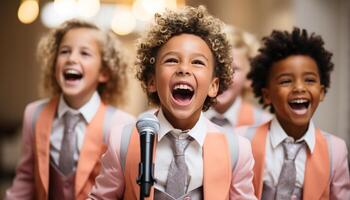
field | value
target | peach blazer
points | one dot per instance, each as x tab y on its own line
32	175
116	183
326	171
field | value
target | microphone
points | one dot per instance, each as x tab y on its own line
147	125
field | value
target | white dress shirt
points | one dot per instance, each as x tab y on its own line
275	154
87	111
193	153
231	115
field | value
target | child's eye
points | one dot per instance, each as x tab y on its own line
63	51
171	60
284	81
85	53
198	62
310	80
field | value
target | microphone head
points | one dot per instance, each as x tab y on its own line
147	122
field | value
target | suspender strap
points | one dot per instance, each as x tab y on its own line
232	140
124	144
37	111
110	110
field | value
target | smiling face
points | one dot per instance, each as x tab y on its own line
184	77
239	81
78	67
294	90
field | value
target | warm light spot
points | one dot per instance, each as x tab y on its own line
28	11
123	21
88	8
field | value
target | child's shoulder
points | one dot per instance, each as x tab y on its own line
336	143
35	106
120	115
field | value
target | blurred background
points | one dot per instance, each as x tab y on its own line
23	22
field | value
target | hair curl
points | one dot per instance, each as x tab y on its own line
280	45
111	92
196	21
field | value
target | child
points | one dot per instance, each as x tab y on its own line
294	159
184	62
232	109
64	136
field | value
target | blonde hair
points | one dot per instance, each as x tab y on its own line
241	39
196	21
111	92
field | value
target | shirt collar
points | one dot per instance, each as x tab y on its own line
277	135
88	110
198	132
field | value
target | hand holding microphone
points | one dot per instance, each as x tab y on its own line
148	126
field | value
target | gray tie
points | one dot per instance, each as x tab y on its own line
66	162
287	178
220	121
178	179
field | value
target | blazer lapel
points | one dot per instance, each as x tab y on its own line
217	170
258	148
91	149
42	140
317	170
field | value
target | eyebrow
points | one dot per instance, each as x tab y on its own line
283	74
176	53
291	74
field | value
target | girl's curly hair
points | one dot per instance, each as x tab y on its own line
111	92
196	21
280	45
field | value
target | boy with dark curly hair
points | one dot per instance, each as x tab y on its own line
183	63
294	159
65	134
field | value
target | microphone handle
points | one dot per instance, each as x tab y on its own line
146	167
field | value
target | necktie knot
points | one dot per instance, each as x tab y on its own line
180	142
70	120
291	149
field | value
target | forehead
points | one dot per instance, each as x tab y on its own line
186	44
294	65
81	36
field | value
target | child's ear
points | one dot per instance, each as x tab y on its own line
151	85
214	87
266	96
104	76
322	93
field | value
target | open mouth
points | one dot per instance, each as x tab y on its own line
299	106
72	75
182	93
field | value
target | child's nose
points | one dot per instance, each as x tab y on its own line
299	86
183	69
73	57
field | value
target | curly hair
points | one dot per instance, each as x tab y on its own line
280	45
111	92
196	21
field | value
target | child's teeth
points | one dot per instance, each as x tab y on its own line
299	101
72	71
183	86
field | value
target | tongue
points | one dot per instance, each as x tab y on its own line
299	109
182	99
